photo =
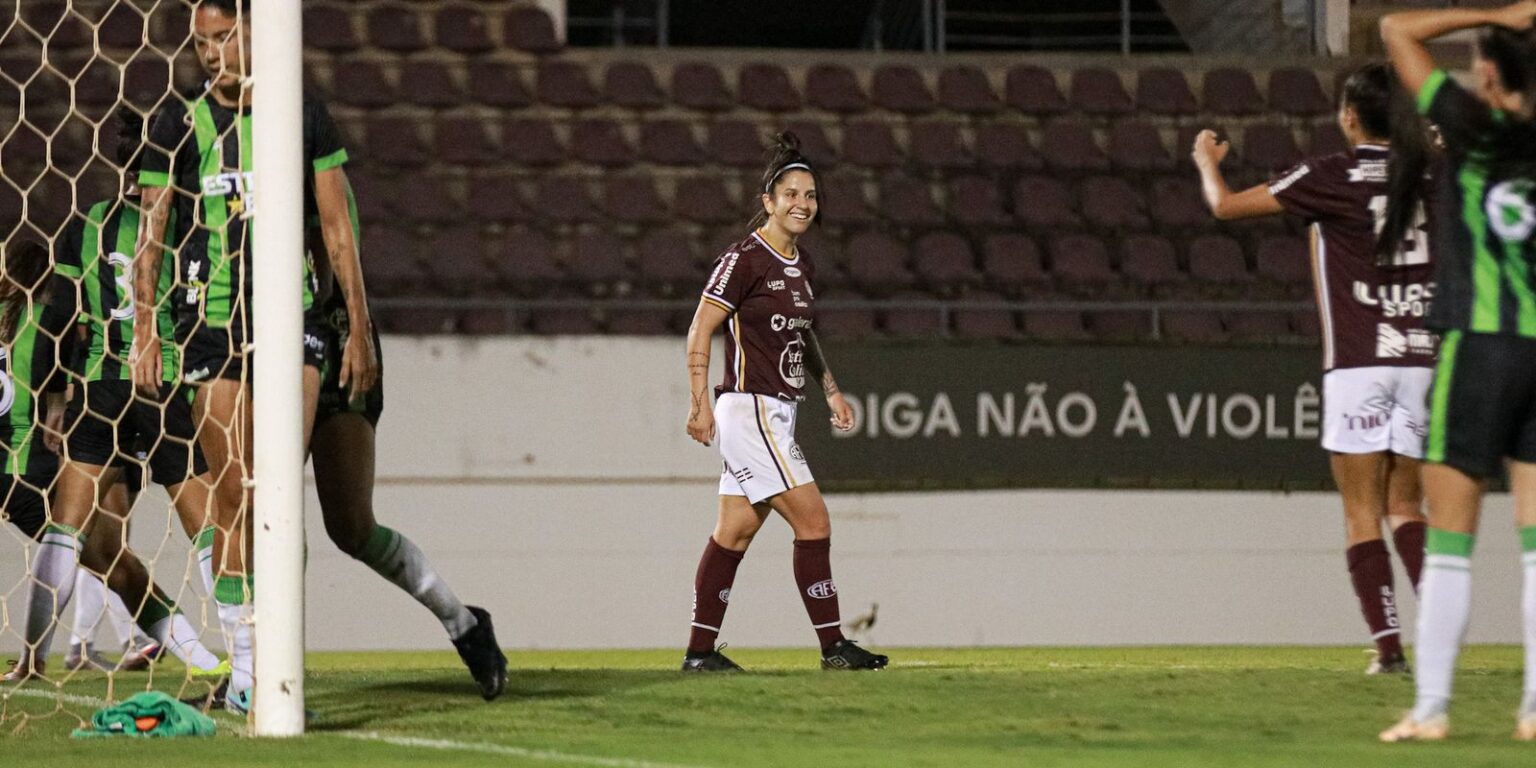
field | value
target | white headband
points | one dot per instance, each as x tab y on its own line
782	171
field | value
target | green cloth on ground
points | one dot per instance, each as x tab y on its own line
172	717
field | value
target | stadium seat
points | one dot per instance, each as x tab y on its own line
600	142
375	194
499	199
598	259
1327	139
870	144
464	141
1176	202
967	90
1270	148
564	199
362	84
1071	146
670	142
700	86
1284	261
1120	325
835	88
1193	327
396	141
846	324
632	85
908	202
329	29
457	260
496	84
1033	90
1044	202
1217	260
95	86
563	321
814	143
1164	91
1296	91
704	199
461	29
736	143
669	257
913	322
877	263
532	142
640	322
977	201
1111	202
430	84
1257	325
938	145
121	28
396	28
1151	262
527	28
766	87
390	266
900	88
1229	91
565	84
422	322
633	199
844	203
980	322
1081	262
432	199
1099	91
1005	146
146	81
524	260
1055	325
1135	146
944	261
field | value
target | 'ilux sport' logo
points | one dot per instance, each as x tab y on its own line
822	590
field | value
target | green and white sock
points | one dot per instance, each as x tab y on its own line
232	594
204	546
52	584
1528	609
1445	603
161	621
399	560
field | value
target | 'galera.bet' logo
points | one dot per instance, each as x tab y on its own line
1509	210
822	590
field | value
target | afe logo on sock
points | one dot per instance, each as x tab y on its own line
725	595
822	590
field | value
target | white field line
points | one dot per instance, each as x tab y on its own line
547	755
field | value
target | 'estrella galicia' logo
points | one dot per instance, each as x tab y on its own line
822	590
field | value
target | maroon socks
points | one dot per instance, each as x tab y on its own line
813	574
711	595
1409	539
1370	570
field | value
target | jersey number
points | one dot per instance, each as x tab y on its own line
122	265
1415	247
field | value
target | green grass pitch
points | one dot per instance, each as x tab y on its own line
1038	707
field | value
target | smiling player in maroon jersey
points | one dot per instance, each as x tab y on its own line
761	288
1374	282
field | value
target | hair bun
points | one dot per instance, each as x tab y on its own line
788	140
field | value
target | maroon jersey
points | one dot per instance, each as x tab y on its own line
1372	312
769	298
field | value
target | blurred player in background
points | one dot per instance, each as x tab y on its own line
1483	403
1372	270
762	288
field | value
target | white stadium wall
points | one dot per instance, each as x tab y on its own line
550	480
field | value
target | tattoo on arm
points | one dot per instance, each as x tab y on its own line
816	363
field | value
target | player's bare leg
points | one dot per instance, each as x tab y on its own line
1522	481
221	407
1362	481
736	524
806	512
343	455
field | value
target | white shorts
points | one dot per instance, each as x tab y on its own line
1383	408
756	437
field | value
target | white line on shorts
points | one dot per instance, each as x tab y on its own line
498	749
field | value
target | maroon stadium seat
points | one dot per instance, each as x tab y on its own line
146	83
1150	261
632	85
598	260
834	88
943	260
966	89
525	261
488	321
938	145
870	144
982	322
122	27
1055	325
900	88
600	142
977	201
1217	260
1071	146
532	142
396	28
1111	201
913	322
1255	325
564	200
430	84
396	141
850	324
1135	146
1284	261
463	141
530	29
670	142
700	86
704	199
1229	91
1033	90
908	202
375	194
736	143
463	29
844	201
633	199
640	322
1081	261
457	261
499	198
1099	91
433	199
427	322
1270	148
496	84
329	28
1164	91
96	86
1044	202
565	84
1296	91
766	87
1006	146
814	143
563	321
1176	202
670	256
390	266
877	263
1196	327
1327	139
1120	325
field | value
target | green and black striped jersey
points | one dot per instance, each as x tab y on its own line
202	150
1486	215
31	360
97	253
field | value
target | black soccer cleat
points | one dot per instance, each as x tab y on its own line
846	654
714	661
480	652
213	699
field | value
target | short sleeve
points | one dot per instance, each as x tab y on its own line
325	149
1310	190
1460	116
728	282
66	249
167	132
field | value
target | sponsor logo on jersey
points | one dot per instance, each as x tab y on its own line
780	323
776	285
1369	171
1391	342
193	377
1397	300
792	363
1509	210
792	271
725	595
314	342
722	276
794	452
822	590
1289	179
799	302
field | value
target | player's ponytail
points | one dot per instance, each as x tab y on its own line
21	275
1513	55
786	157
1387	110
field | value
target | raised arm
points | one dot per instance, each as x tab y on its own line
1405	34
816	365
359	361
1223	202
148	253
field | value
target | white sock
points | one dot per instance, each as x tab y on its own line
235	618
90	603
1445	603
204	544
177	635
128	632
398	559
53	582
1528	609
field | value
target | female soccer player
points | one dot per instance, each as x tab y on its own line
762	288
1483	403
1373	282
199	162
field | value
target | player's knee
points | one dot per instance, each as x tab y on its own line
350	539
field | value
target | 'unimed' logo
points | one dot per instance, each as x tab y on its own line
822	590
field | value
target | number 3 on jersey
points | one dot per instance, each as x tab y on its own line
1415	247
122	265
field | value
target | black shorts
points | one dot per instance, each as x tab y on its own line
112	424
26	500
333	399
1483	405
217	353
